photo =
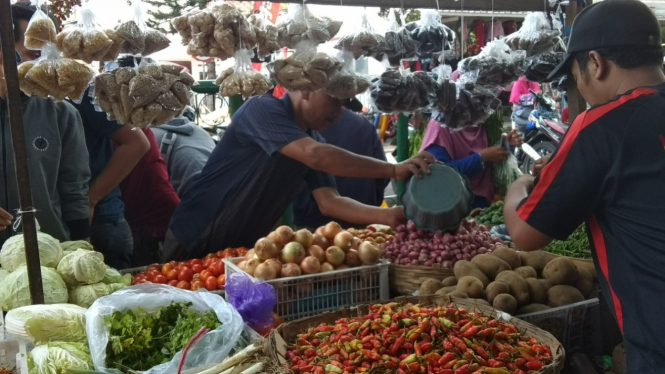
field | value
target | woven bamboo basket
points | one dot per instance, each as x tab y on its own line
287	332
404	280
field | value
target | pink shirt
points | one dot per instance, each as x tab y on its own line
521	87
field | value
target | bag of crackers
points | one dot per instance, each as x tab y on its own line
87	40
242	79
138	38
41	29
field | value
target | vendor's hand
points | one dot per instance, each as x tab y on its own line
539	164
5	219
395	216
494	154
515	139
415	165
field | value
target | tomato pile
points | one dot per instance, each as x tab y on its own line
409	338
194	274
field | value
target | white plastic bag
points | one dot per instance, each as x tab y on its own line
400	44
86	41
41	29
242	79
345	83
536	35
150	297
363	41
266	33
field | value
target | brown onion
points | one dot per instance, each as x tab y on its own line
310	265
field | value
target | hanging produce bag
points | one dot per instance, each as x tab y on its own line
232	29
399	43
150	298
363	41
504	173
399	91
41	29
54	76
242	79
266	34
140	39
86	41
306	70
494	67
301	24
345	83
434	37
536	36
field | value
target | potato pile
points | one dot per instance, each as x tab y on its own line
245	83
515	282
151	96
302	25
58	78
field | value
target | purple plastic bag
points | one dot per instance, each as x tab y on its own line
254	301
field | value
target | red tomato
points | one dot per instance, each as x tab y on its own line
206	262
222	254
157	267
221	281
211	283
143	281
139	275
185	274
216	269
205	274
194	261
183	285
197	284
181	266
172	275
173	263
152	274
197	268
173	283
166	268
160	279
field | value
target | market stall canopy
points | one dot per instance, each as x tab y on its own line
484	5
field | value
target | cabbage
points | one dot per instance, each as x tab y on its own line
114	276
13	251
57	357
116	286
14	290
46	323
77	244
86	295
82	267
3	274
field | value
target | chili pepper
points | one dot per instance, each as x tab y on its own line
445	371
503	356
446	322
344	353
432	331
450	364
457	343
411	358
527	356
518	371
495	371
425	346
487	333
398	343
481	352
309	352
333	369
319	370
467	326
534	365
323	334
414	367
459	364
416	347
400	371
462	322
494	363
447	345
446	358
471	331
510	329
406	322
511	366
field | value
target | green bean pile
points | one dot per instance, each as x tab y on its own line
577	245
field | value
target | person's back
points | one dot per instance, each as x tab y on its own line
185	148
356	134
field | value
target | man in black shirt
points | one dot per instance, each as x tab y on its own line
609	172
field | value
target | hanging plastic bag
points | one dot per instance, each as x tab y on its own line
301	24
266	33
539	67
536	35
138	38
345	83
433	36
242	79
229	21
494	67
400	45
41	28
54	76
399	91
446	93
363	41
86	41
504	173
253	301
150	297
305	70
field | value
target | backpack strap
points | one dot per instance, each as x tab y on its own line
168	140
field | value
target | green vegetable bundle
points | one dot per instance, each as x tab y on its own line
494	127
492	215
577	245
139	340
415	141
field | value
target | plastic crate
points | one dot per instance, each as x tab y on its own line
134	271
13	353
575	325
308	295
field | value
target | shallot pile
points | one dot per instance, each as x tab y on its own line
411	246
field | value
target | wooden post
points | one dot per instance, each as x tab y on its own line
28	222
576	104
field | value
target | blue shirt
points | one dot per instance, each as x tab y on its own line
98	130
356	134
246	184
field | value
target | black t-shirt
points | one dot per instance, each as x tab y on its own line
610	172
246	185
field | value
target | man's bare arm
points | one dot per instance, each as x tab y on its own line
331	204
525	237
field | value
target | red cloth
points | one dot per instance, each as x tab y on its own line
278	92
564	115
479	30
149	198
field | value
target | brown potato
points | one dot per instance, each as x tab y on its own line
584	282
526	272
505	303
445	290
546	283
535	259
561	271
490	265
537	291
563	295
518	287
430	286
458	294
509	255
449	281
496	288
465	268
531	308
471	286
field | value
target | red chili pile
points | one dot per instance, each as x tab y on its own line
409	338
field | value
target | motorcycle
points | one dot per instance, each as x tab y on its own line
544	131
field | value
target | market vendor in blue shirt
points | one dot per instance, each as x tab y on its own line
270	153
468	152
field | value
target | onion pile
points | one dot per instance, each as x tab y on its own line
411	246
284	253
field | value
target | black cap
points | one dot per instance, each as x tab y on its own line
611	23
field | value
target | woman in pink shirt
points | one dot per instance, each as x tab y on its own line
522	87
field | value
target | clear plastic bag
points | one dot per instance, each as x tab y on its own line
301	25
433	36
536	35
253	301
54	76
229	20
138	38
399	91
504	173
86	41
40	29
496	66
305	70
538	68
150	297
345	83
266	33
363	41
400	45
242	79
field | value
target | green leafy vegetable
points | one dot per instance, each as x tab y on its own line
76	244
576	245
15	292
139	340
82	267
113	276
58	357
85	295
13	251
45	323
